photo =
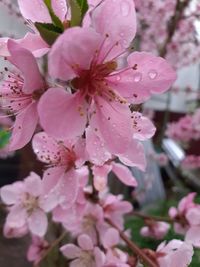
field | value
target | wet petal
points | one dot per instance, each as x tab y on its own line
24	127
24	60
112	122
124	174
65	114
67	58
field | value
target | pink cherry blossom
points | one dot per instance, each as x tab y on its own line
36	249
64	159
193	218
27	206
187	219
114	208
122	172
16	232
20	93
114	256
90	221
102	91
85	255
156	230
176	253
134	156
181	224
184	130
31	41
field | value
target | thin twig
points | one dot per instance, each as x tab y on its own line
150	217
53	245
136	250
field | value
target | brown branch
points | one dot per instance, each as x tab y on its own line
136	250
53	245
151	217
173	23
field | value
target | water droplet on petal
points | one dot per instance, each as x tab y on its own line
125	8
152	74
137	77
124	43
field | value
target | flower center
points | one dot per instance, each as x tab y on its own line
86	258
93	81
89	222
30	202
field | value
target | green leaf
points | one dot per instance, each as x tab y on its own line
4	138
48	32
56	21
78	10
83	5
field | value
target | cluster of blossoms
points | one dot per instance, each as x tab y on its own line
185	129
191	162
187	219
79	116
177	37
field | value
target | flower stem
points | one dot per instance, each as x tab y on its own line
136	250
53	245
151	217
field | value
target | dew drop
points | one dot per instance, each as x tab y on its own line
125	43
125	8
152	74
137	77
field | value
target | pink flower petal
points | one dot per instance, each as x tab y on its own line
24	127
99	257
96	148
70	251
60	8
62	115
112	122
122	29
193	216
111	238
67	58
31	41
143	128
153	75
193	236
10	193
157	74
50	184
134	156
124	174
16	217
100	176
35	44
33	184
85	242
24	60
187	202
36	10
38	223
46	148
67	188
